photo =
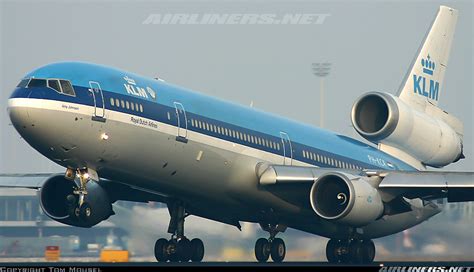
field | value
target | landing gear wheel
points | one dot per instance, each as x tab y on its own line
77	212
173	254
85	211
331	250
368	249
183	249
356	252
350	251
161	253
262	250
197	250
278	250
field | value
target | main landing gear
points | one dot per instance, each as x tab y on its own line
76	204
178	248
352	251
274	247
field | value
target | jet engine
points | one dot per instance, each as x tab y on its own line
347	199
384	118
54	197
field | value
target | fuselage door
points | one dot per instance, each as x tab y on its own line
287	149
99	105
182	123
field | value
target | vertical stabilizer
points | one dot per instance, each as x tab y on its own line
424	82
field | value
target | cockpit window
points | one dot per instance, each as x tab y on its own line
54	84
67	87
59	85
23	83
37	83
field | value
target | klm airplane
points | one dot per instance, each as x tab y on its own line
122	136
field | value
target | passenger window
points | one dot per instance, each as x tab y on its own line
122	103
23	83
37	83
141	108
117	102
67	87
132	106
54	84
112	102
127	104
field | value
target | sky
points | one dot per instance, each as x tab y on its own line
369	43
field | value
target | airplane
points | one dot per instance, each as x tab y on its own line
122	136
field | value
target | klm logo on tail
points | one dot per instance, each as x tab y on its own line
424	86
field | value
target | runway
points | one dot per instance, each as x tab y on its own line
235	264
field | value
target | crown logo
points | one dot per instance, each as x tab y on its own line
151	92
129	80
428	65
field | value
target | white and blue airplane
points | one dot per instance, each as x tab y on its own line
122	136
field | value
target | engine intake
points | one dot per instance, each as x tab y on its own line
347	199
375	116
53	201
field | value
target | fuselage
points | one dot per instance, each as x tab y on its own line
180	143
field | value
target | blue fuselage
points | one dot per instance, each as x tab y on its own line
151	101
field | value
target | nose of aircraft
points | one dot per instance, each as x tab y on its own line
18	111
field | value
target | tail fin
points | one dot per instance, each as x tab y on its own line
423	83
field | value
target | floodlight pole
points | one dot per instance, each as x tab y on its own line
321	70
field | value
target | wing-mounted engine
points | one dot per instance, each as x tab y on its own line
345	198
54	202
385	119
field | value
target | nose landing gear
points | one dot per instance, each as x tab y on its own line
76	204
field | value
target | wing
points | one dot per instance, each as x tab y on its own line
31	181
455	186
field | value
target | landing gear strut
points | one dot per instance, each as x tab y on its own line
178	248
77	206
274	247
352	251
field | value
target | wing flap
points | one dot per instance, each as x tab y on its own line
455	186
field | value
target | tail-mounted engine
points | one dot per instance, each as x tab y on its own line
384	118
